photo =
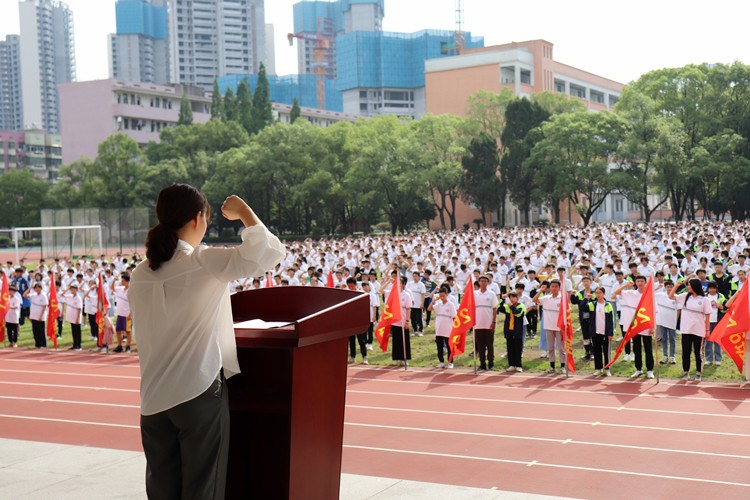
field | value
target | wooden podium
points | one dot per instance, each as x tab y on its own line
287	405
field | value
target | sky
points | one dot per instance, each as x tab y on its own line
619	40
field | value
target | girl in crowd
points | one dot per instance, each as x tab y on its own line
694	323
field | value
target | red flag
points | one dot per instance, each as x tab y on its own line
102	309
730	332
54	311
329	281
464	321
565	323
391	314
4	305
269	280
644	319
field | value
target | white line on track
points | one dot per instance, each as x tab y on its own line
550	420
58	361
548	389
67	421
64	386
542	464
544	403
87	375
550	440
68	401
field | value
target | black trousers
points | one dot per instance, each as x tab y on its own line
362	339
94	325
12	329
442	348
25	312
600	345
627	346
692	343
76	328
648	346
187	447
515	349
485	346
533	318
370	330
37	328
427	302
416	319
399	336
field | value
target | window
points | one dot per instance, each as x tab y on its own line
618	205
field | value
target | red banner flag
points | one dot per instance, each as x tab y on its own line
102	309
4	304
644	319
269	280
730	332
465	320
391	314
54	311
329	281
565	324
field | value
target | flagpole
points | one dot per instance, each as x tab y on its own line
403	324
654	338
474	336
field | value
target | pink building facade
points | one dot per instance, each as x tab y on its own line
92	111
11	149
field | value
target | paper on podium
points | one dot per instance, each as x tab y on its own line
259	324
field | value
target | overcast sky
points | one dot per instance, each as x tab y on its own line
614	39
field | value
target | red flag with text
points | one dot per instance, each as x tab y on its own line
54	311
4	304
644	319
465	319
102	309
565	324
730	332
329	281
391	314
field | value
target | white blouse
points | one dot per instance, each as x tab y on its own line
183	319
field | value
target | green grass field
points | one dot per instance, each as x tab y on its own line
424	354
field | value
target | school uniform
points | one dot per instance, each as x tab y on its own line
12	317
417	291
513	329
713	349
486	303
444	315
692	327
401	350
601	328
37	309
90	306
550	311
666	324
122	309
73	316
584	314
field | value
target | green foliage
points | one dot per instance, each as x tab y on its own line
217	103
262	113
481	184
295	112
244	106
186	111
22	195
230	106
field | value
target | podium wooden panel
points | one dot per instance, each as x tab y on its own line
287	405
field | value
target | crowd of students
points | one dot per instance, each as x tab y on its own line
517	274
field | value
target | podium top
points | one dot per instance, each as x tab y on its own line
314	315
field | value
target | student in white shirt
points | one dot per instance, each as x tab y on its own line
123	325
401	349
37	314
444	311
666	322
13	315
550	300
182	313
643	341
74	304
694	323
484	329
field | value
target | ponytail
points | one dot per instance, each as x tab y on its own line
161	243
176	206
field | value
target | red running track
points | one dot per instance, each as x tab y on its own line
582	437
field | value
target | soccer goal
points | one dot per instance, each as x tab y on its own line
57	241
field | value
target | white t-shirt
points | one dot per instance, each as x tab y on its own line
486	304
693	315
714	300
122	305
666	311
628	302
38	305
73	309
417	291
600	317
444	314
550	311
405	308
14	308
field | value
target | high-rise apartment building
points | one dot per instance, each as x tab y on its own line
211	38
139	51
317	22
11	111
47	58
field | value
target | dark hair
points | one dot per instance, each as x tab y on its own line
695	285
176	206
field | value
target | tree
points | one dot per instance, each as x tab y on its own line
230	106
217	105
186	111
295	112
480	183
521	116
22	196
245	106
262	113
575	151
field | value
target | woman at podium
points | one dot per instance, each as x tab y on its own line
182	315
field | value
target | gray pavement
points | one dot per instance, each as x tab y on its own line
47	471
